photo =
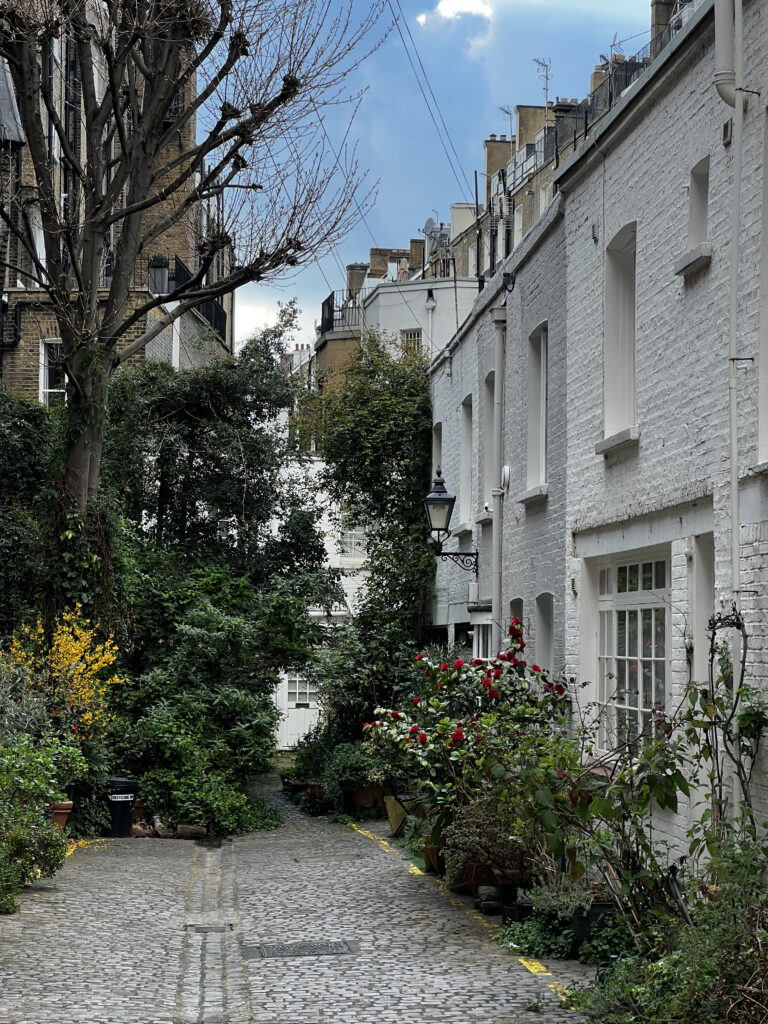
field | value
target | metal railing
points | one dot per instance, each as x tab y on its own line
343	309
160	280
573	127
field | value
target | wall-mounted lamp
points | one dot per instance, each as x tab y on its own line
439	508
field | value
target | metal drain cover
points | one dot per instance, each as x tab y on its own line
207	929
291	949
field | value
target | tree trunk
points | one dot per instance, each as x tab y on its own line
86	420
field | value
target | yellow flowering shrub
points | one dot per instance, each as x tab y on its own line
72	671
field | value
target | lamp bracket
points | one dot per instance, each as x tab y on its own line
464	559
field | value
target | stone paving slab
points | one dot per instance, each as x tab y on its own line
174	932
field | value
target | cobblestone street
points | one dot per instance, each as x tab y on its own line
313	923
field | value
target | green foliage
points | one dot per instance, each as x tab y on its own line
195	456
538	937
33	773
313	753
352	765
712	971
489	725
372	425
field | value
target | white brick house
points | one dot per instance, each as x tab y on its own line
616	508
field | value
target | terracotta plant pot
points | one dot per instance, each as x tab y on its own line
61	813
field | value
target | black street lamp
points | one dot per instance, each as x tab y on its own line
439	506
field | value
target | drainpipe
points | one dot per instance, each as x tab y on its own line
729	82
499	318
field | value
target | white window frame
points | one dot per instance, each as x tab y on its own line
44	390
619	331
410	339
352	545
300	691
536	469
481	640
633	641
466	454
698	204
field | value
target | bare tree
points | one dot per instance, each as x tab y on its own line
164	108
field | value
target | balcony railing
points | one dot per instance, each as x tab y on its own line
161	280
572	128
343	309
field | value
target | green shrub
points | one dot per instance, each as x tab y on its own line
539	936
33	773
711	971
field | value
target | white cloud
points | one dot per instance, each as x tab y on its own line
455	8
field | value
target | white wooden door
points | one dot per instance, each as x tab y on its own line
297	704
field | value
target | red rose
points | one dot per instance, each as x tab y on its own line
535	668
413	729
440	686
522	643
476	662
419	657
515	621
395	716
74	728
422	737
559	689
444	666
367	725
457	735
521	664
493	693
497	673
459	663
486	681
416	701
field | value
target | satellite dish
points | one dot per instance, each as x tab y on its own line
429	227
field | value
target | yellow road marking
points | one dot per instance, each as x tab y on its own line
84	844
560	991
534	966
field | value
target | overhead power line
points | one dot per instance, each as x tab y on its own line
464	188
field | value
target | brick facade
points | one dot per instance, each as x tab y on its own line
663	484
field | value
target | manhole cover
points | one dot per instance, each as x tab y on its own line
291	949
207	929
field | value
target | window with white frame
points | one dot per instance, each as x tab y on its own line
632	653
300	691
698	204
486	443
482	640
52	379
545	630
411	339
619	332
465	482
352	544
518	220
537	407
437	447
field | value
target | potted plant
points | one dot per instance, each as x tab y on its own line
158	274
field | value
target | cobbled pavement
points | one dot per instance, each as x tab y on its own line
142	931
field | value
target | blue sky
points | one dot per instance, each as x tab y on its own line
478	57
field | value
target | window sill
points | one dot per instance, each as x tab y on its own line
625	438
462	530
484	519
694	260
534	495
